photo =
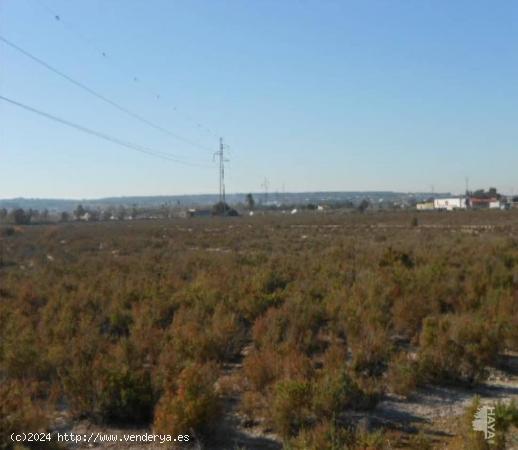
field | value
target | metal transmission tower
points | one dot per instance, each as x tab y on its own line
222	160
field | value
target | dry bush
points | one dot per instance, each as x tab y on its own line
326	435
467	437
296	323
192	405
124	395
402	374
261	368
204	334
19	412
457	348
291	407
254	405
420	441
334	391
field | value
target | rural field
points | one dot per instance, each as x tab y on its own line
309	331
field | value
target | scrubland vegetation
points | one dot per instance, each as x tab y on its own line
132	323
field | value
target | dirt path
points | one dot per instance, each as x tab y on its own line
435	408
233	434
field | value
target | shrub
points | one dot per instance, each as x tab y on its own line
125	396
253	404
334	392
291	407
420	441
457	349
468	438
327	435
192	405
506	416
374	440
18	411
77	362
261	368
7	231
402	375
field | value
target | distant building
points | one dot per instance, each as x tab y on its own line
450	204
483	202
425	206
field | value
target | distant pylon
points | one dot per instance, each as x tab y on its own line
222	160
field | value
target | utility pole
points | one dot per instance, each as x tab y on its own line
222	160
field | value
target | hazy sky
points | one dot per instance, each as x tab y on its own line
313	95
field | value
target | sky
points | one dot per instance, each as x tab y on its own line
312	95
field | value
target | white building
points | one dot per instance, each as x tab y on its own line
449	204
425	206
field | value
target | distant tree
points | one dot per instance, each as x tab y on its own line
44	215
363	205
219	209
95	215
3	214
20	217
222	209
64	217
121	213
35	214
164	211
79	211
250	202
106	215
492	192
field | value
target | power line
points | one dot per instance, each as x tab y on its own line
100	96
107	137
107	56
